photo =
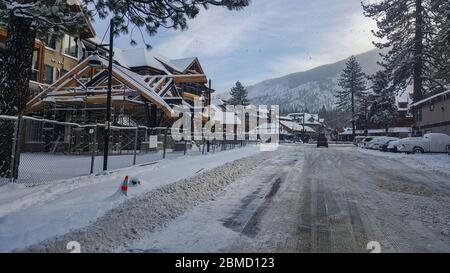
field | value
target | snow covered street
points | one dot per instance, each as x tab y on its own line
317	200
296	199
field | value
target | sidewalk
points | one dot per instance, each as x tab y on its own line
29	215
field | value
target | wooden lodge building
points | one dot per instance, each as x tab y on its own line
54	56
433	114
146	85
145	88
66	87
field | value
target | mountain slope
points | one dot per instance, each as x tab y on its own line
311	89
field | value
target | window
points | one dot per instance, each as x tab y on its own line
431	107
35	66
50	41
70	46
419	115
49	72
62	72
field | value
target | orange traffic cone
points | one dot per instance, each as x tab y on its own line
124	187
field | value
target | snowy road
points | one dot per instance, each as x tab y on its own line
303	199
296	199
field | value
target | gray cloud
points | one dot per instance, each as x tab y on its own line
269	38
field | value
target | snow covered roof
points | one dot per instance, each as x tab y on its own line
138	80
130	79
311	119
442	95
360	132
224	117
294	126
400	130
265	128
285	118
141	57
348	131
183	64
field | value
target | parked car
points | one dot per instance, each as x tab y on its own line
357	140
429	143
377	142
393	146
365	142
322	141
384	147
374	143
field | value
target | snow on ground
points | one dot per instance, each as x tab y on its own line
40	168
147	212
29	215
432	162
214	226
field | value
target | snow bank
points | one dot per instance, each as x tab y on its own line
433	162
147	212
31	214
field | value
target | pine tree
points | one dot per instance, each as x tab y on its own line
441	46
362	118
24	20
323	112
353	85
383	109
407	28
238	95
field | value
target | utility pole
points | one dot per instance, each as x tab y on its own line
353	111
209	112
108	98
303	123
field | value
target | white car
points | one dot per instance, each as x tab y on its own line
357	141
377	142
365	142
384	146
429	143
393	146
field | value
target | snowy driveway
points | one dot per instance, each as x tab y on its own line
303	199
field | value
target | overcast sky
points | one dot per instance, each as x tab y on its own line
270	38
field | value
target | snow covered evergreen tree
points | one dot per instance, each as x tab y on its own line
383	109
353	85
441	46
25	19
362	117
238	95
407	28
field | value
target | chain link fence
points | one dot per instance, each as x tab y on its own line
36	151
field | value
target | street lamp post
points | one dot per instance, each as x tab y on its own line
209	112
108	96
303	123
96	62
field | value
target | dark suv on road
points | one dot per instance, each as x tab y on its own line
322	141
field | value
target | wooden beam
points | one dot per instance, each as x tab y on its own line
192	78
